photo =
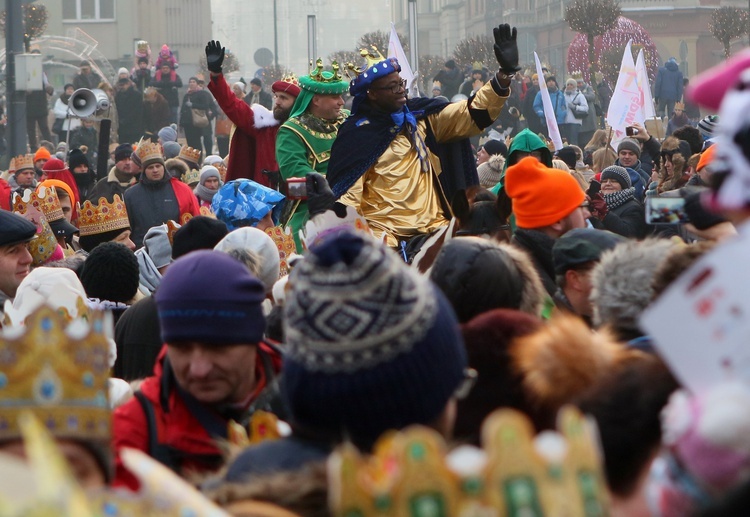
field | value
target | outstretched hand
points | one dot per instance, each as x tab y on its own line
214	56
506	48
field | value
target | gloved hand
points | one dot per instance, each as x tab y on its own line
598	207
214	56
506	48
319	194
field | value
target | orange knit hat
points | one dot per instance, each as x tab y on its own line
707	157
42	154
541	196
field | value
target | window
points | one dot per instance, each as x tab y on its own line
88	10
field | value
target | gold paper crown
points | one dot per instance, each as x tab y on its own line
172	227
191	176
317	74
290	78
285	245
372	57
24	161
59	372
149	151
44	243
477	65
222	171
408	474
190	154
104	217
44	199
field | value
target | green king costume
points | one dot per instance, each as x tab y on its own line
304	142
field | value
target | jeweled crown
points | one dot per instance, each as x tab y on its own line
103	217
290	78
409	474
44	243
149	151
190	154
58	371
191	177
24	161
44	199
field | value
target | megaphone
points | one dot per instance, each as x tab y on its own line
85	103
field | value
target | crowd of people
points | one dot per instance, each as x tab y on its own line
262	320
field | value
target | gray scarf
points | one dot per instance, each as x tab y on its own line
619	198
205	194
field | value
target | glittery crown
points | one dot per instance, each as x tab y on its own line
44	199
192	176
376	67
290	78
409	474
103	217
326	82
190	154
44	243
284	241
24	161
149	151
58	371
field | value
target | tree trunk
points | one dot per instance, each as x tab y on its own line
592	57
726	50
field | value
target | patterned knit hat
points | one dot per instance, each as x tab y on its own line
707	126
619	174
372	345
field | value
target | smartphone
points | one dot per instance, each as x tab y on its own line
594	188
666	210
296	188
630	131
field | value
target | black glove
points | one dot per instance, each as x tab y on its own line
506	48
319	195
214	56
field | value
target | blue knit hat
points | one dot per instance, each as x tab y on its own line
371	344
209	297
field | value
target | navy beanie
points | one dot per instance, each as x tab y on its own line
496	147
211	298
371	344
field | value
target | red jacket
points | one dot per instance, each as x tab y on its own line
186	200
177	427
5	193
253	146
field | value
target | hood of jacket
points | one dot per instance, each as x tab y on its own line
176	167
527	141
671	65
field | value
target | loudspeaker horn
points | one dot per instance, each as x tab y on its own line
86	103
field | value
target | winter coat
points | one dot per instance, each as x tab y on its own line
168	89
90	81
558	105
668	85
450	81
199	99
130	114
527	109
576	103
109	187
539	246
265	99
156	115
191	446
628	220
590	123
61	111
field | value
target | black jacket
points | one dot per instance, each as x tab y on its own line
628	220
539	246
129	115
168	88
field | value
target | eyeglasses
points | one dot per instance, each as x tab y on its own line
394	88
468	382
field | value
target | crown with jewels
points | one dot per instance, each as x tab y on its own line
409	474
191	177
44	243
103	217
23	161
44	199
149	151
57	370
284	241
190	154
376	66
290	78
325	82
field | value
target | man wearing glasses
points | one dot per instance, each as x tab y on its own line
399	161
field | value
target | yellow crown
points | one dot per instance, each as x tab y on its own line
58	371
44	199
104	217
24	161
172	227
290	78
372	57
222	171
285	244
318	74
149	151
409	474
44	243
190	154
192	176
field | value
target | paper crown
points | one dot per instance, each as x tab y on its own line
44	199
222	171
323	81
376	67
192	176
149	151
104	217
285	245
409	474
44	243
58	371
190	154
23	161
289	84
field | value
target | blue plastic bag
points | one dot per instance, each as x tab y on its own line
244	202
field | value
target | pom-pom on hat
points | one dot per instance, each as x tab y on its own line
371	344
209	297
619	174
541	196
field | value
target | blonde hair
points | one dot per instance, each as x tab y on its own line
561	165
598	140
603	158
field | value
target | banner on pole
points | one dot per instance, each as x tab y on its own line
549	112
627	106
396	50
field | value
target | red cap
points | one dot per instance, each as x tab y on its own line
283	86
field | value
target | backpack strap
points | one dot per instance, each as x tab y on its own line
160	452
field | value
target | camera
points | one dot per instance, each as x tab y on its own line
630	131
296	188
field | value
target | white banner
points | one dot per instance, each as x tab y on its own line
549	112
396	50
644	85
626	106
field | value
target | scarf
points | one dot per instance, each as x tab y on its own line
150	278
205	194
619	198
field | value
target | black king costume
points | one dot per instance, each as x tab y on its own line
399	170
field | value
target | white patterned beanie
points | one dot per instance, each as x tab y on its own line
371	344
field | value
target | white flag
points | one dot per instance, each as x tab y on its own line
644	85
549	112
626	106
396	50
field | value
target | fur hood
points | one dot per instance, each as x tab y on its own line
176	167
679	164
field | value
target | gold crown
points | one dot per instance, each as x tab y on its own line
372	57
192	176
149	151
477	65
317	74
290	78
172	227
190	154
104	217
44	199
409	474
576	75
222	171
285	244
44	243
58	371
24	161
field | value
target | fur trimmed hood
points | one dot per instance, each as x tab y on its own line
176	167
682	153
